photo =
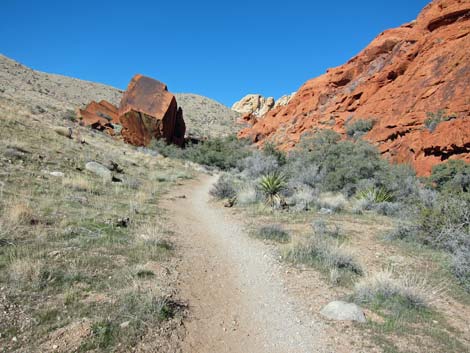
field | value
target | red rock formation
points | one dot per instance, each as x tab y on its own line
149	111
99	116
406	72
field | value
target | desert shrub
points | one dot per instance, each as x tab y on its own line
400	181
270	150
461	267
402	231
325	253
359	127
224	188
384	289
388	208
441	221
271	186
224	153
453	176
259	164
342	165
302	197
166	149
273	232
248	195
446	223
322	229
335	202
435	118
301	173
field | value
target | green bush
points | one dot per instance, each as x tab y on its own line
341	165
434	119
453	176
223	153
359	127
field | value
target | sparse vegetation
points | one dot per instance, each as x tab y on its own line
384	288
223	188
359	127
223	153
324	253
72	243
273	232
435	118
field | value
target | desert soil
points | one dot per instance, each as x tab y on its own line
234	284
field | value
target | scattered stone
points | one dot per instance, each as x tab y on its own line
57	174
325	211
123	222
99	170
342	311
99	116
63	131
114	167
125	324
37	109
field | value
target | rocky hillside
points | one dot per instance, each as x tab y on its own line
57	95
206	117
411	83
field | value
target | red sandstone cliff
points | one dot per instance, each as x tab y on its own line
421	67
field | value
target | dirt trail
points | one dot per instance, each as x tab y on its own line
233	283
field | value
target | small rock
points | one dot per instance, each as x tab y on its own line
64	131
14	339
55	346
57	174
342	311
100	170
325	211
125	324
123	222
54	253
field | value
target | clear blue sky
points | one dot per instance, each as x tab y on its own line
220	49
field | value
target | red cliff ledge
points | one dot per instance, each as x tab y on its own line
406	73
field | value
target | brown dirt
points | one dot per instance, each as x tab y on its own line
234	285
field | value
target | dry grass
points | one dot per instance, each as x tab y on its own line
63	243
24	270
78	183
414	291
18	212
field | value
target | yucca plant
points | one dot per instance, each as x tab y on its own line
271	186
375	195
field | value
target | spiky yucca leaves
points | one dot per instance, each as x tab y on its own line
374	195
271	186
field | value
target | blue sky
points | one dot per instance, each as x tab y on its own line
220	49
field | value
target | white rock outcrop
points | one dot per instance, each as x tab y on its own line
258	105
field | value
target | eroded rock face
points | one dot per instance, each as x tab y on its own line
100	116
148	111
421	67
257	105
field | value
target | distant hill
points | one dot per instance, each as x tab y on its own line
58	96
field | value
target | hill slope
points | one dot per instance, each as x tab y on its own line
58	95
404	76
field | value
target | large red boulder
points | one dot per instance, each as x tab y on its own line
405	73
148	111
